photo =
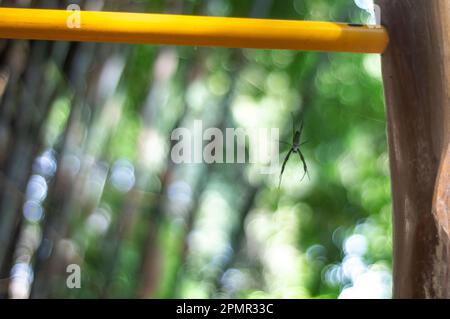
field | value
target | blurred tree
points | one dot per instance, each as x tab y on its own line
87	176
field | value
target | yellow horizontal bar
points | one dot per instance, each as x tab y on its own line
40	24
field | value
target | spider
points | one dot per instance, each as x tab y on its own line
295	148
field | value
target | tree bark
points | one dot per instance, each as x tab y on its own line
416	72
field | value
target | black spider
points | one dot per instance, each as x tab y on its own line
295	148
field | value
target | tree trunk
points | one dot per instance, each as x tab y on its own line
416	71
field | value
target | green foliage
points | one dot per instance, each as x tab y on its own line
219	231
293	239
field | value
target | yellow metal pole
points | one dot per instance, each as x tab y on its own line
40	24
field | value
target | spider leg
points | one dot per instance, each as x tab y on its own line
305	167
284	165
283	142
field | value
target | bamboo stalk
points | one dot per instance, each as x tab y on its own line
416	74
61	25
